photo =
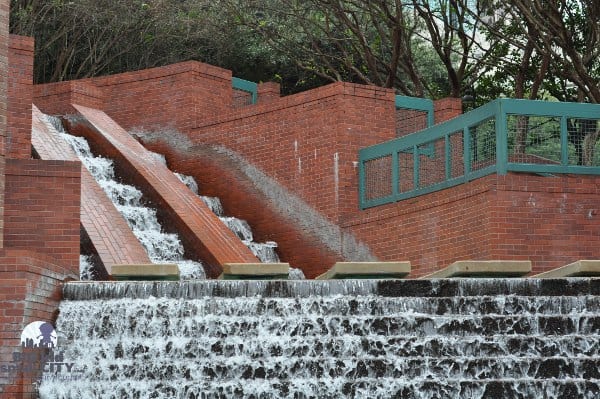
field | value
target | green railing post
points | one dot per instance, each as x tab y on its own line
416	167
467	149
395	174
362	195
501	140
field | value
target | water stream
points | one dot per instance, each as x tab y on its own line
265	252
161	247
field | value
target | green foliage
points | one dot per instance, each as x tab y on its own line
418	47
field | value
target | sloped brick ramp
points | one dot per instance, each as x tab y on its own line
108	231
203	234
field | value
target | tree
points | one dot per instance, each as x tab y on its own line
556	47
417	47
78	39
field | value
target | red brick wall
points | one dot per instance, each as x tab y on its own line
550	220
446	109
309	142
56	98
20	93
4	71
30	290
4	67
268	92
42	208
174	95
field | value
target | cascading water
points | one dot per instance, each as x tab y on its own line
161	247
265	252
86	268
328	339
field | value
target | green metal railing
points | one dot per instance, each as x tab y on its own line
501	136
416	104
246	86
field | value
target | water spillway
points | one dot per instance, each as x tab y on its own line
264	251
101	224
486	338
203	235
161	247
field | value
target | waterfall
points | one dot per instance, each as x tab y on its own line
161	247
265	252
489	338
86	268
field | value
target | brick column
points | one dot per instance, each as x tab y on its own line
268	92
17	141
4	40
447	108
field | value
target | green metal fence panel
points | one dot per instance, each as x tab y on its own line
413	114
501	136
246	86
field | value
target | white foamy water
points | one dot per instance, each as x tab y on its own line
86	268
265	252
219	342
162	247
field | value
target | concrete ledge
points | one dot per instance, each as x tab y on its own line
255	271
581	268
366	270
147	271
483	268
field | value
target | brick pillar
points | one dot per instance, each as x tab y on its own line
17	142
447	108
4	40
268	92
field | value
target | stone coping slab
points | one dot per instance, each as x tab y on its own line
483	268
250	271
147	271
366	270
581	268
